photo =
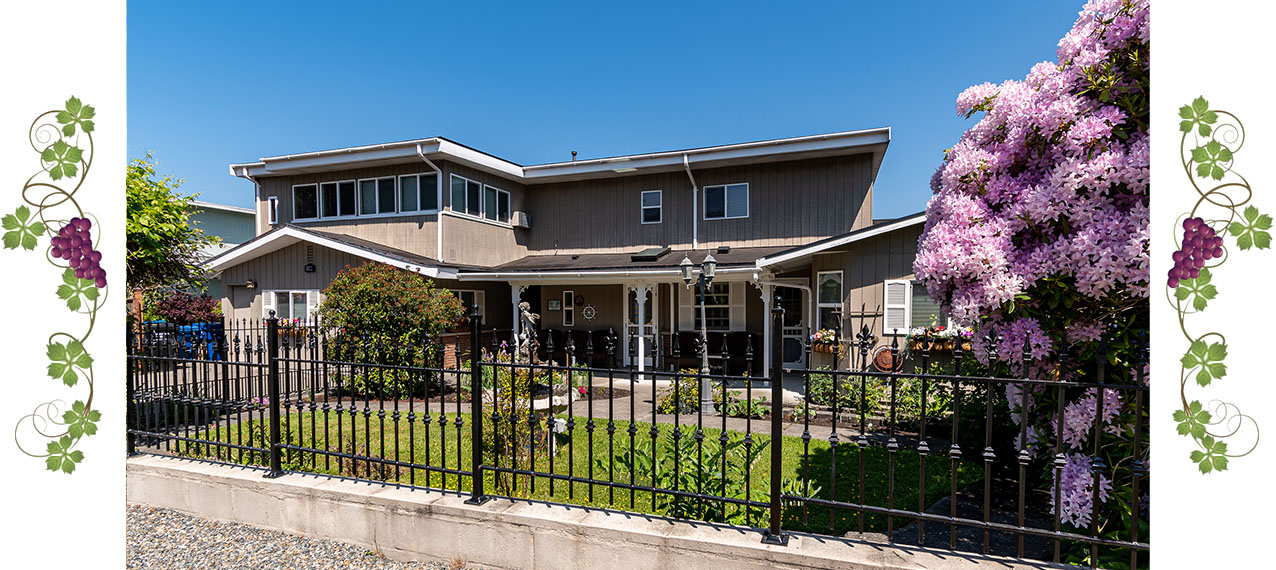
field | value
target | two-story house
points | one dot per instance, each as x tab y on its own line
595	244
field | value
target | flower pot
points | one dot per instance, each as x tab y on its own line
824	348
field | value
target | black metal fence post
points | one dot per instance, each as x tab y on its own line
272	388
477	497
130	413
773	534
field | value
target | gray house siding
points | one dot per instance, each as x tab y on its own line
865	266
790	203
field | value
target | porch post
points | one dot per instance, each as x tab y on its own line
640	293
516	294
767	298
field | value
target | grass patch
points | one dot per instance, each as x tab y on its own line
605	455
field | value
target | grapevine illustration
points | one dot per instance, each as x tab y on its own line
63	139
1211	139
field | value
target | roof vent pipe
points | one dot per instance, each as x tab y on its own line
573	156
695	203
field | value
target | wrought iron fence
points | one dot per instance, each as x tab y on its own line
926	457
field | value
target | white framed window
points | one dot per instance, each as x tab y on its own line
297	306
419	193
569	308
272	210
726	201
305	201
338	199
897	306
651	203
469	298
496	204
829	294
377	196
924	311
717	307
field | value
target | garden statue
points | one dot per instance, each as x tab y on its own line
527	331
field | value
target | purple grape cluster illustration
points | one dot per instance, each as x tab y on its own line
1211	140
75	244
1200	244
63	139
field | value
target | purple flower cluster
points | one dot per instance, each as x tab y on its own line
1076	491
1044	184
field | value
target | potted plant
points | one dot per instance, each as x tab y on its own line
940	338
824	340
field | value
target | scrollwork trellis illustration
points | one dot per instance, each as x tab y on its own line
1211	139
63	139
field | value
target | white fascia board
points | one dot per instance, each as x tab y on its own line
289	236
199	204
479	160
605	276
406	151
757	149
915	219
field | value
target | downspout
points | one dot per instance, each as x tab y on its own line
438	218
695	204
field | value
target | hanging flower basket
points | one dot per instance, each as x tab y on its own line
828	348
937	345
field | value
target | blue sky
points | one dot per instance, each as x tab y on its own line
214	83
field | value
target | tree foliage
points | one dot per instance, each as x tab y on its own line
378	302
162	244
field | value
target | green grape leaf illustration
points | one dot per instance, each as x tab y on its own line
1252	233
1209	358
76	113
65	359
80	421
61	456
64	158
1213	457
1199	290
1210	158
1193	420
23	229
1197	115
75	290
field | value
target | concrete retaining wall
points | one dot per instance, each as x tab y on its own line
406	524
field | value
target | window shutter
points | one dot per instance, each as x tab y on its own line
686	308
736	294
313	298
267	303
897	295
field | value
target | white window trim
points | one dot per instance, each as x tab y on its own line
310	307
482	215
358	188
841	295
338	184
479	299
419	193
397	213
705	201
695	306
569	308
642	209
272	210
912	288
295	186
907	306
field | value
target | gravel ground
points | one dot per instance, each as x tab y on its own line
166	539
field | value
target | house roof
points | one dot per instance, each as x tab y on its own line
201	205
417	150
289	234
779	258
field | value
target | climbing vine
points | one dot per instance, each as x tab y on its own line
1211	139
49	214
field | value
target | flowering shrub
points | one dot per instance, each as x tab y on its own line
1038	229
184	308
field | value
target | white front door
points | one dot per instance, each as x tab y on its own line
794	331
632	329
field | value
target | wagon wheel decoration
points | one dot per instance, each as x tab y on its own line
589	312
1211	139
63	140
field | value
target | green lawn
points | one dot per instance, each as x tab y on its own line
450	448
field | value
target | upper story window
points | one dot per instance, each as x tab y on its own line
272	209
480	200
305	201
418	193
651	207
726	201
376	196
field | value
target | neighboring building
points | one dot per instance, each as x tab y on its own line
234	225
585	241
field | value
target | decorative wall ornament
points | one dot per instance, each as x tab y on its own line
1211	139
63	140
589	312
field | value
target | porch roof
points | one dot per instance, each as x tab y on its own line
617	265
288	234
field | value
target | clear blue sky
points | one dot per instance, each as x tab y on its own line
214	83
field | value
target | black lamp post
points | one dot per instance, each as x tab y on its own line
703	279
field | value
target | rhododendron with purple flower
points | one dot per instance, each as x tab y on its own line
1038	230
